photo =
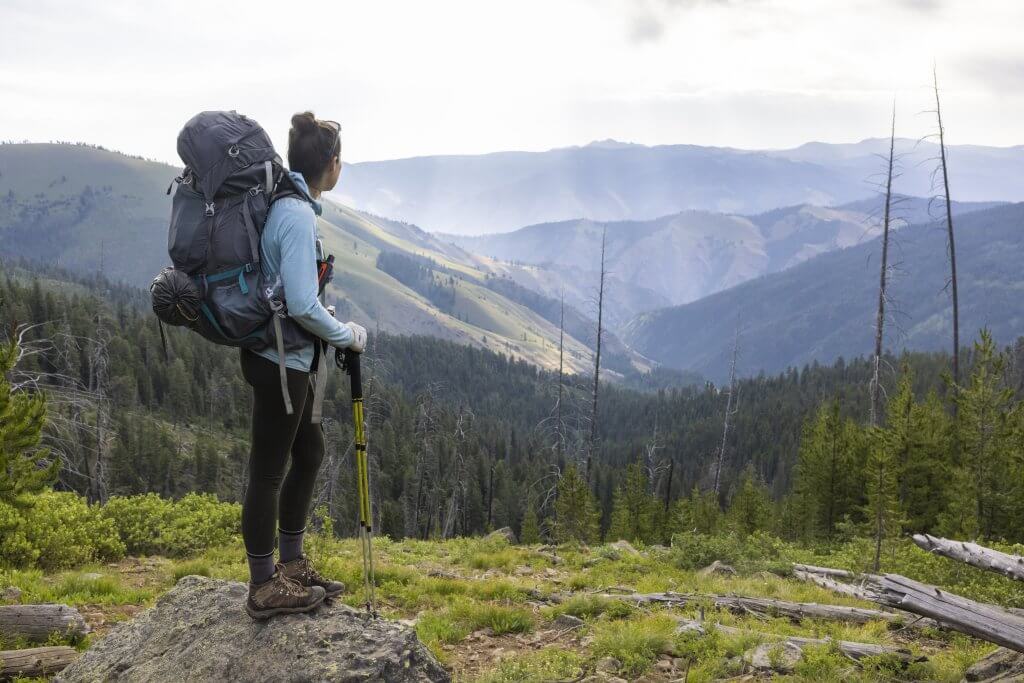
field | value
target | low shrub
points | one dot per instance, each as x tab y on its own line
59	530
140	521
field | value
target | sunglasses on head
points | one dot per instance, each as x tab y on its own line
335	127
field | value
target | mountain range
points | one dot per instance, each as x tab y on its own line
825	307
801	278
612	181
684	257
88	209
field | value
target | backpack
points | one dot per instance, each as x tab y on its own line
220	203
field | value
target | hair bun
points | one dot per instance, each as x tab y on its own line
304	122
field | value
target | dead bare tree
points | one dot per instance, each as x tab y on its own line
561	374
78	417
949	230
876	386
730	409
592	442
457	495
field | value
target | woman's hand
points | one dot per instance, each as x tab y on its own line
358	337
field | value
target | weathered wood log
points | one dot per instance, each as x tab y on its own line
987	622
35	661
762	606
974	555
37	622
827	583
824	571
852	650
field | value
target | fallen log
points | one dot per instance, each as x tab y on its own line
974	555
828	583
37	622
35	661
824	571
853	650
767	607
987	622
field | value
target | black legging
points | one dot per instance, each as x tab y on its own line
274	435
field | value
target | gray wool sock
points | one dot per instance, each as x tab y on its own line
261	567
290	543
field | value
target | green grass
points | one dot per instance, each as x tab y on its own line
636	643
480	591
196	567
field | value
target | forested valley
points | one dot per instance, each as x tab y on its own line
464	441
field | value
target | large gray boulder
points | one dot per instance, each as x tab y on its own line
199	631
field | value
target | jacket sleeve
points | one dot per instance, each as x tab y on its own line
298	276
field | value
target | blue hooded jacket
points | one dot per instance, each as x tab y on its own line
288	249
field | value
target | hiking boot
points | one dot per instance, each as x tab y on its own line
301	569
281	595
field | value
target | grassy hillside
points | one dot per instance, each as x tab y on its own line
824	308
84	208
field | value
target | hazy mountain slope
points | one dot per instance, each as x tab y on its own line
678	259
824	308
76	206
977	173
476	194
505	190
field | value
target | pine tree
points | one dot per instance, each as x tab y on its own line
24	468
882	509
576	515
632	508
529	532
829	469
751	507
987	419
699	513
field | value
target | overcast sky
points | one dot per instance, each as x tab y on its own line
431	77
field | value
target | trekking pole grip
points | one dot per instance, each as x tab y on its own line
354	372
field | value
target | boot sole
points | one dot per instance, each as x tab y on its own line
262	614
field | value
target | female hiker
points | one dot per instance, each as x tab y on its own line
277	503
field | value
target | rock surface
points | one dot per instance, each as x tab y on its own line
504	532
1001	665
774	657
199	631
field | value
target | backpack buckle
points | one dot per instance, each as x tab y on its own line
209	208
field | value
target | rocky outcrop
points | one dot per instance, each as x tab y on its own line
198	631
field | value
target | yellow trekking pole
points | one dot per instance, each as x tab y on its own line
350	363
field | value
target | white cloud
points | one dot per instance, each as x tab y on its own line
462	76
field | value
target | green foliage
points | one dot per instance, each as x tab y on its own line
24	467
149	524
885	446
747	552
750	509
529	533
829	481
989	430
633	508
140	521
60	529
576	516
699	514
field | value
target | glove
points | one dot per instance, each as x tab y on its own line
358	337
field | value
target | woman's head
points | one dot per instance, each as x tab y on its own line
314	150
